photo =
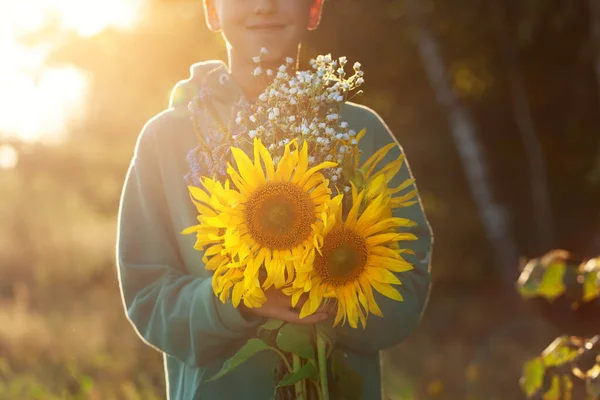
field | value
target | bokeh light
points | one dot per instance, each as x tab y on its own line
36	101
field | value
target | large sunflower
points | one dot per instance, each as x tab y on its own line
355	257
272	217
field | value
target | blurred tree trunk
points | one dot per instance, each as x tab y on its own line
595	36
492	214
522	114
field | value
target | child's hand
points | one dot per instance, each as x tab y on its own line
279	306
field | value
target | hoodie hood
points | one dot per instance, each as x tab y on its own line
212	81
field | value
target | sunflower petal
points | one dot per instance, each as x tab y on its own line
368	292
372	162
386	290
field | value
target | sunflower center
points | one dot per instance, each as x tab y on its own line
279	215
344	257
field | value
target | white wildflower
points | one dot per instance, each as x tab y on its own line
269	72
282	68
253	118
292	118
343	60
257	71
347	189
262	97
356	66
346	137
339	99
256	59
264	51
340	71
352	133
353	141
329	131
332	117
343	124
289	60
329	157
334	178
360	81
311	159
252	133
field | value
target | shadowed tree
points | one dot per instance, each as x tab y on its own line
471	152
525	123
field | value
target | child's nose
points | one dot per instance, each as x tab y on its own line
265	6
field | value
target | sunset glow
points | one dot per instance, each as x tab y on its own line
36	101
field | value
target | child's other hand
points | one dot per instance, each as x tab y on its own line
279	306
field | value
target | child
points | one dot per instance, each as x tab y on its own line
166	290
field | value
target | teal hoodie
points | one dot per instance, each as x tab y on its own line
166	291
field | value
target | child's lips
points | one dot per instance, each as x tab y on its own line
266	27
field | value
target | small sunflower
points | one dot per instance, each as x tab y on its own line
229	282
377	182
354	257
271	217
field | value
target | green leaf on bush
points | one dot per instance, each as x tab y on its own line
552	284
252	347
533	376
591	290
554	393
592	382
308	371
346	381
297	339
559	352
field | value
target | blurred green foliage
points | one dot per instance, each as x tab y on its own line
63	333
568	360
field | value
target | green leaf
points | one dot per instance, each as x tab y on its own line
552	284
591	290
554	392
297	339
592	382
252	347
559	352
533	376
308	371
346	382
271	325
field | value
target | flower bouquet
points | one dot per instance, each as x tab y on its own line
294	209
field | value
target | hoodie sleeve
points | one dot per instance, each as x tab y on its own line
173	311
399	318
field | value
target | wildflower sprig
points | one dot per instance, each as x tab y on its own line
307	105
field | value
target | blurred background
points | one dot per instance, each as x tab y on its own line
495	103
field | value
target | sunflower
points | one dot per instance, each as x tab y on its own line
271	216
354	257
210	239
229	282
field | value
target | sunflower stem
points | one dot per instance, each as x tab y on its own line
322	356
299	386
